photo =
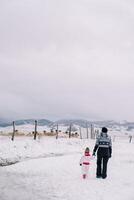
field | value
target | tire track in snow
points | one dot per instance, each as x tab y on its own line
12	161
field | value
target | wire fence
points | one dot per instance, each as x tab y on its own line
81	132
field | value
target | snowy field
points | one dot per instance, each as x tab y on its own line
48	169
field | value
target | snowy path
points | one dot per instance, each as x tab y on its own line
59	178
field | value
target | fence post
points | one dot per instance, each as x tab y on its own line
13	134
114	138
130	138
92	132
87	130
70	130
57	131
80	133
35	131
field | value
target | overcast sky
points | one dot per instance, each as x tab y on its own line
67	59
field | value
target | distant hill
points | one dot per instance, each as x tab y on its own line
5	122
41	122
85	123
79	122
66	122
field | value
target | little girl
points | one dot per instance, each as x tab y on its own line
85	162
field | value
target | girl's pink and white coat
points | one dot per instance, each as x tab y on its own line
85	162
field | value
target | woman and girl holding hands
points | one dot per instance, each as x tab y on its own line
103	147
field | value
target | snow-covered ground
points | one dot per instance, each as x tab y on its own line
49	170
